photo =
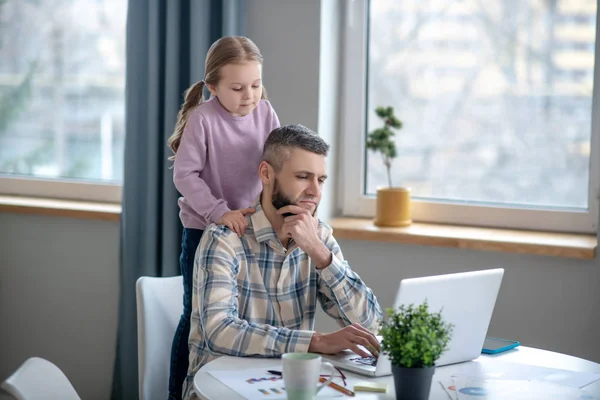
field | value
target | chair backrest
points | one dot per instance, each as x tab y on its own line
159	307
39	379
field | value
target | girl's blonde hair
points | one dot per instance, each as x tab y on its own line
227	50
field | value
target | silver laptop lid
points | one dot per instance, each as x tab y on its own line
467	301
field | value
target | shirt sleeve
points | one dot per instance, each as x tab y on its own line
189	163
342	293
216	292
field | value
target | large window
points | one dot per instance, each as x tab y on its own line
496	99
62	87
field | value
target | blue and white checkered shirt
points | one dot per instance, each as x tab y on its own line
253	297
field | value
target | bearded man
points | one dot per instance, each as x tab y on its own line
256	294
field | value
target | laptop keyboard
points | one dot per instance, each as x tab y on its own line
371	361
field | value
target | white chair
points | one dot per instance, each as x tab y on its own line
39	379
159	306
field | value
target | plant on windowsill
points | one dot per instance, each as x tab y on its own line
393	203
413	339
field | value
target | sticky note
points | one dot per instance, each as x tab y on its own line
379	387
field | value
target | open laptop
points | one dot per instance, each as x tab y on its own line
466	300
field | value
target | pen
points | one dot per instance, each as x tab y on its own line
337	387
321	379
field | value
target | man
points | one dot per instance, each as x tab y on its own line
256	295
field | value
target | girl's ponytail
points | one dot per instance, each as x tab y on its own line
193	98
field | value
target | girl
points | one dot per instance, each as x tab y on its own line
218	146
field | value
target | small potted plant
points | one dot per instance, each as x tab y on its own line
413	339
393	203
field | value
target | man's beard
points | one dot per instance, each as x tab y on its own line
280	200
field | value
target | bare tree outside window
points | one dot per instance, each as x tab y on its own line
62	87
495	98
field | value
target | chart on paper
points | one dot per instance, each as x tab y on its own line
471	388
256	384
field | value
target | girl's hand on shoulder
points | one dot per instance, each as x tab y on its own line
236	220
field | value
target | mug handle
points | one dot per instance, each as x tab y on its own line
328	381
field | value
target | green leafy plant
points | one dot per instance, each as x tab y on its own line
414	337
381	139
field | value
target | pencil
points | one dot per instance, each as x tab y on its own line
337	387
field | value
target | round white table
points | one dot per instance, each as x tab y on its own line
210	388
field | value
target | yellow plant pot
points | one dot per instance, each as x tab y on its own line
393	207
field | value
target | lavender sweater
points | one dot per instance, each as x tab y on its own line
216	166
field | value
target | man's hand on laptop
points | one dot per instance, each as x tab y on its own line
349	337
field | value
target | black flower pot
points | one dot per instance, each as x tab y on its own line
412	383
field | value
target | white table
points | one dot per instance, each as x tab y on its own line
209	388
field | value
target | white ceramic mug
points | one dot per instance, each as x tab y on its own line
301	373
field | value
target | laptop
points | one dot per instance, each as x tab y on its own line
466	299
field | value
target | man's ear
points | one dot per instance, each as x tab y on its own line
266	173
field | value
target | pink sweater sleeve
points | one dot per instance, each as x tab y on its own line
275	123
189	162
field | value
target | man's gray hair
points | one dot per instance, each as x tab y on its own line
283	140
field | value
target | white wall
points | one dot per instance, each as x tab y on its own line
59	296
59	276
287	33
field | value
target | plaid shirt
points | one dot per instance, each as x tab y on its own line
253	297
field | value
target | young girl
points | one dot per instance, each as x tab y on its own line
218	146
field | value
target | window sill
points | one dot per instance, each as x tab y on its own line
463	237
60	208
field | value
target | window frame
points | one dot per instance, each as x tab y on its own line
353	122
54	188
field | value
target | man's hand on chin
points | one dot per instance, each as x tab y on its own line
302	227
346	338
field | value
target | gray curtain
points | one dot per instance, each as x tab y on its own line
167	41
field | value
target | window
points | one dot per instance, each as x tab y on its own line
496	100
62	89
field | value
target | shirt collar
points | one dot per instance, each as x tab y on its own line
263	230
